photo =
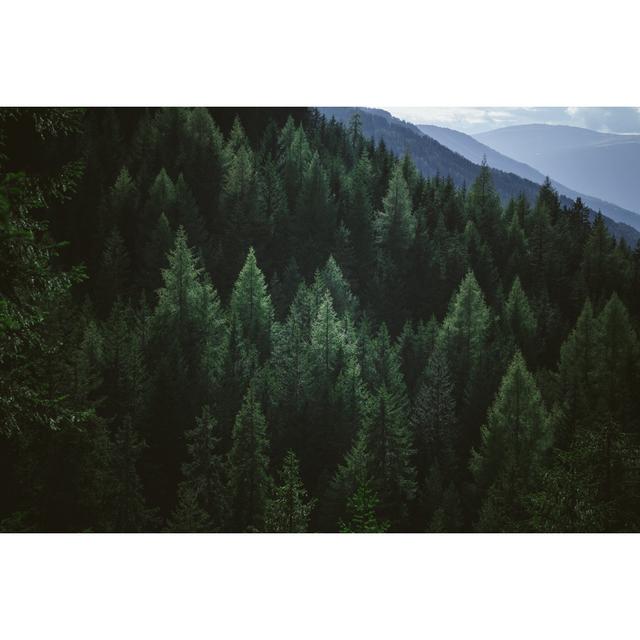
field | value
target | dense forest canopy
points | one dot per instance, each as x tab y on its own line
260	320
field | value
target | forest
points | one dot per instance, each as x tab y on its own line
260	320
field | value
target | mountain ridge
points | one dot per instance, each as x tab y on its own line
474	150
602	164
433	158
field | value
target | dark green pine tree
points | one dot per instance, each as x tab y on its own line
361	511
484	209
508	464
188	216
251	310
129	513
122	207
115	275
359	218
248	462
154	255
388	440
315	217
203	165
188	516
289	508
202	492
332	279
463	334
433	418
395	229
520	319
238	203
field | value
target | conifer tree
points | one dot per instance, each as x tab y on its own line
484	209
251	308
154	254
395	225
515	440
248	462
464	332
325	345
289	509
520	318
361	511
434	414
389	442
332	279
115	270
201	494
129	511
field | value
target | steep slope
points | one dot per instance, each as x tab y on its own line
433	158
603	164
474	150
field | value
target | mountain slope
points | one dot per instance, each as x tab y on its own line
474	150
603	164
433	158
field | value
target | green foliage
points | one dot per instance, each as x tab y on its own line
515	440
249	481
383	341
289	509
251	308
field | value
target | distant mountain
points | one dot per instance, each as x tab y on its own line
475	150
605	165
433	158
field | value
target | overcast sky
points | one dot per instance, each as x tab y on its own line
477	119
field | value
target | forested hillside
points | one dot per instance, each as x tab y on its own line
261	320
435	159
475	151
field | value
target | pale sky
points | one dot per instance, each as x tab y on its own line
477	119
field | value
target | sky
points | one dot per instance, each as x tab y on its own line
477	119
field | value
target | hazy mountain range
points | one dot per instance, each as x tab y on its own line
471	148
435	158
605	165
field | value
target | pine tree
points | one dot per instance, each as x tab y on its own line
389	442
331	278
248	462
434	414
395	225
520	318
129	511
251	308
361	511
515	440
114	272
188	516
201	494
154	255
326	342
484	209
315	217
463	333
289	509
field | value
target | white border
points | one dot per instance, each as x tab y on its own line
454	53
319	586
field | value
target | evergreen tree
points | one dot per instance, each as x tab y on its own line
154	255
201	495
289	509
464	332
520	318
515	441
251	308
389	443
248	462
130	513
